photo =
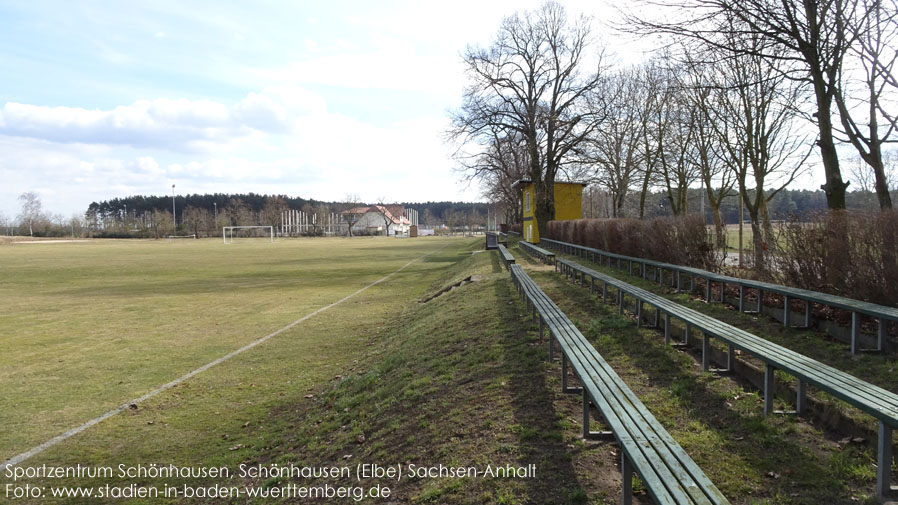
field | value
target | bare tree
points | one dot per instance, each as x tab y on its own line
753	118
862	120
272	211
529	84
240	213
807	40
197	219
162	223
677	161
32	212
386	214
499	166
615	147
350	214
717	180
654	118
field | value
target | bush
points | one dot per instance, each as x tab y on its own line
680	241
845	253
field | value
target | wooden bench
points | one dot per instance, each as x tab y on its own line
858	308
544	255
669	474
868	398
506	256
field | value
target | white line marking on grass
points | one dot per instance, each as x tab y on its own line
74	431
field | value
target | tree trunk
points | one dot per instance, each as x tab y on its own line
834	187
545	205
882	186
757	241
720	233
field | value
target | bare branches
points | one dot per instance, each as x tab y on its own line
804	40
530	88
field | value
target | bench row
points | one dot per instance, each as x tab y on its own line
669	474
881	313
544	255
871	399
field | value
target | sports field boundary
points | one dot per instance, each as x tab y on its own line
15	460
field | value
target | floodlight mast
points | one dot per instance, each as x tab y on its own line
173	221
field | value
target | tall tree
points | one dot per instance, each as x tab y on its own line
677	162
753	117
498	166
32	210
530	83
870	121
717	180
654	117
806	39
615	147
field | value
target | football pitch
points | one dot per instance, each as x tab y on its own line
88	327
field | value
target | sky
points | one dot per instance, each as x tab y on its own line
312	99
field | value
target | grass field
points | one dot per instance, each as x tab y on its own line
89	326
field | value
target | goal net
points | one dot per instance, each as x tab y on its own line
175	237
228	233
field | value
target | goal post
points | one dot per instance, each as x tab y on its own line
173	237
227	232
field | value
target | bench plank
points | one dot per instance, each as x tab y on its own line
671	476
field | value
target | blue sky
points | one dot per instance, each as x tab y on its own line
313	99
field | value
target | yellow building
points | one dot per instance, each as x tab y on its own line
568	205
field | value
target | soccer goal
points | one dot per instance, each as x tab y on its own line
229	232
174	237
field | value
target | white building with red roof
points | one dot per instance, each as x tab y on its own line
378	220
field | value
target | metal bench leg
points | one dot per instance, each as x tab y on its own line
592	285
551	347
807	314
731	358
604	292
768	388
855	331
882	324
564	387
542	324
786	311
666	329
627	480
707	290
679	286
620	301
630	268
723	291
884	461
801	398
760	300
706	351
638	313
587	433
657	316
741	298
686	334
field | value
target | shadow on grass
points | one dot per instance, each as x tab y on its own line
540	438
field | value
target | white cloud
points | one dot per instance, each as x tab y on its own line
164	123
